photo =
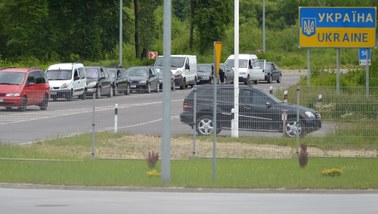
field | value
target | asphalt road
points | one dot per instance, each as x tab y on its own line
136	201
138	113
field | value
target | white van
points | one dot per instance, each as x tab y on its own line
183	67
67	80
248	69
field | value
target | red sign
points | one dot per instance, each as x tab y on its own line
153	54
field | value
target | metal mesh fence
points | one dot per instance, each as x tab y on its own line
348	126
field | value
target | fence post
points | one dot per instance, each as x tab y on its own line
93	126
194	152
284	121
285	96
116	118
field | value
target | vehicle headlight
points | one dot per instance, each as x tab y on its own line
64	85
178	73
92	84
309	114
12	95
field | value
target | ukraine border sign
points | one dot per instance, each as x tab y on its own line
337	27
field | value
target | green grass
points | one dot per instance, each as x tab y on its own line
67	161
197	173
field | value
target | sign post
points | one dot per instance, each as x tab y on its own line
364	55
217	57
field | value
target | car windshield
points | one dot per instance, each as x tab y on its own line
112	73
175	61
11	78
137	72
242	63
59	74
92	73
204	68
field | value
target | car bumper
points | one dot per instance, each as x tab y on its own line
138	86
312	125
187	117
60	93
10	101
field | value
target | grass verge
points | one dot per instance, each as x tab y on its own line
197	173
120	161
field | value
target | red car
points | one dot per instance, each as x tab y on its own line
21	87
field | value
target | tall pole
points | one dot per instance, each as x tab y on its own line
338	71
235	121
263	26
308	68
166	139
120	32
367	72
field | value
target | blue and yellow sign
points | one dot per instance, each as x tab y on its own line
337	27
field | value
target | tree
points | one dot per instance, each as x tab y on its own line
23	31
210	20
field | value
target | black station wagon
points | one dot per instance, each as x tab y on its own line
258	110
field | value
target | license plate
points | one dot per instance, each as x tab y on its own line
53	93
132	86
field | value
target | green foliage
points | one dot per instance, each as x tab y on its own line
53	31
217	16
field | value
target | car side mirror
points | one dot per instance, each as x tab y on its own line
187	66
268	104
76	78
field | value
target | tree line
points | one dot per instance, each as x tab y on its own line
82	30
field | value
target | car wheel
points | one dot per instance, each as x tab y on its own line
127	90
110	95
45	103
269	78
246	81
115	90
204	125
98	93
24	103
279	79
84	95
148	88
183	84
293	128
173	86
69	96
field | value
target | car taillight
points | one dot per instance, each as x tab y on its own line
187	106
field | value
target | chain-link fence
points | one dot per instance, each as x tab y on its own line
343	125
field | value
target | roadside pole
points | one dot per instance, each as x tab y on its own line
93	125
166	136
217	56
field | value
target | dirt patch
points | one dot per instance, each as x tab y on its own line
138	146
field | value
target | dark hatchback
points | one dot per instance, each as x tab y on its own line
120	81
205	73
258	111
99	81
143	78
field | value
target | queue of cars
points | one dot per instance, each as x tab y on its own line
20	87
258	110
